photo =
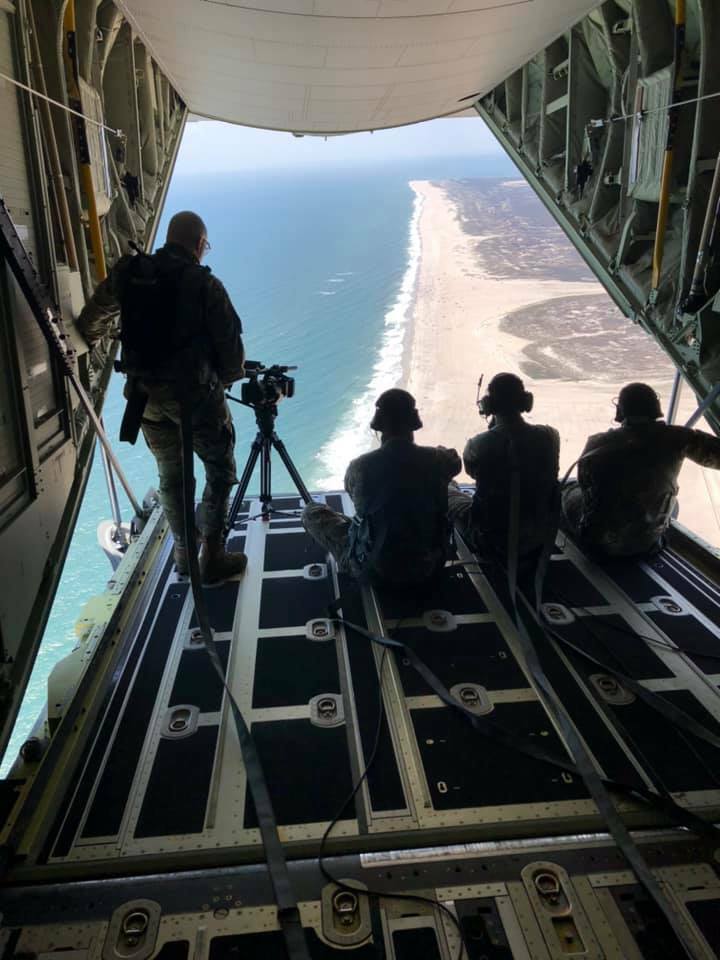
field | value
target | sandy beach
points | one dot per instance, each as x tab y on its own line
486	302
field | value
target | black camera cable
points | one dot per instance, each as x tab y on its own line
374	895
635	634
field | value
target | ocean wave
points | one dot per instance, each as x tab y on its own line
354	437
337	280
326	293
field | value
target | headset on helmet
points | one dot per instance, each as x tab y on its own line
637	400
395	409
505	393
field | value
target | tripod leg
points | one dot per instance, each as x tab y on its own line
291	469
245	479
265	478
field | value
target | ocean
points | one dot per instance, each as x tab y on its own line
321	269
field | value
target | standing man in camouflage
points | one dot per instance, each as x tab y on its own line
178	331
627	478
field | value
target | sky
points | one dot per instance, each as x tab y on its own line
210	146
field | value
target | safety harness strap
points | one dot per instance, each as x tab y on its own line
488	728
598	791
583	761
287	908
664	707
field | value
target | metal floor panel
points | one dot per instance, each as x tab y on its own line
165	782
541	899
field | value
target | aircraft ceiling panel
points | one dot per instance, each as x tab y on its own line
344	65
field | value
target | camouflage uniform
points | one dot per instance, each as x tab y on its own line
627	489
397	472
483	518
218	357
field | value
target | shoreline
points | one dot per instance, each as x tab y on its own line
353	436
447	350
470	291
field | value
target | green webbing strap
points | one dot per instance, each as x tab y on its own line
287	908
583	761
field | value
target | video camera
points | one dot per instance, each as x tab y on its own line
266	385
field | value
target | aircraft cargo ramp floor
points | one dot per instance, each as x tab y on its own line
157	783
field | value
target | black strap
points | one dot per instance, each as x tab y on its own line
664	707
287	908
549	541
583	761
489	728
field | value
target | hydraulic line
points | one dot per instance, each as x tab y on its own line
83	149
666	179
56	174
712	213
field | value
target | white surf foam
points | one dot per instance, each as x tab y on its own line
337	280
354	437
326	293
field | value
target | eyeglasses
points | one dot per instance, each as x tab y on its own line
206	245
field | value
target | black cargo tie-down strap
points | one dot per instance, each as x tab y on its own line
666	709
489	728
656	702
288	913
650	698
597	787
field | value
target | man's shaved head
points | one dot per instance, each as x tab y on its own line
187	230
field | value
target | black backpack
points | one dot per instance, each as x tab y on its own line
154	324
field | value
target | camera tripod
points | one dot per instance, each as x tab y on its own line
261	448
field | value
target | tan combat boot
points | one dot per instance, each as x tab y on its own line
216	564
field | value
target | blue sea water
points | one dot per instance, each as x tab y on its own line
320	268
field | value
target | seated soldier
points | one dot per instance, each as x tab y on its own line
510	447
627	477
400	533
